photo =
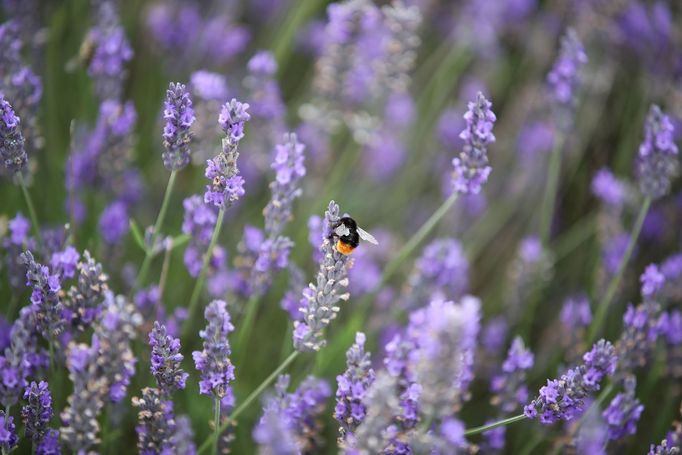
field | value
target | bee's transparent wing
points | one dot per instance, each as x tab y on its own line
341	231
364	235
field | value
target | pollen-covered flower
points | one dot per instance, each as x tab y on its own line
166	359
352	388
564	398
213	362
471	166
37	412
227	186
12	151
624	411
321	299
657	161
179	116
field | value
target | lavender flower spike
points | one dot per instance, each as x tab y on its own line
37	413
165	361
471	166
213	361
657	161
179	117
8	433
45	297
509	387
564	78
12	151
319	304
84	300
350	410
156	423
227	186
563	399
624	411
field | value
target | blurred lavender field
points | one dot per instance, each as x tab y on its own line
177	266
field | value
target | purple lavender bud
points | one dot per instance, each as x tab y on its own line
156	423
179	116
445	334
291	301
576	313
44	297
670	327
316	236
441	272
652	281
274	433
227	186
65	262
113	339
183	439
111	52
471	166
79	418
8	433
592	437
84	300
12	151
320	304
564	79
638	339
624	411
37	413
49	445
609	188
166	360
209	86
267	106
114	222
564	398
213	362
509	386
657	162
198	222
147	300
494	334
353	384
17	361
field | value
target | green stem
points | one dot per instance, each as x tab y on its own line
490	426
255	394
149	252
216	424
551	190
31	209
199	284
251	310
602	309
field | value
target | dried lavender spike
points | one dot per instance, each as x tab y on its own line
156	427
37	413
321	299
352	388
113	339
227	186
12	152
84	301
79	418
165	360
624	411
471	166
45	297
657	163
177	136
217	371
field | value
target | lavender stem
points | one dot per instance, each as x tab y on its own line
216	424
603	306
199	284
551	190
490	426
31	209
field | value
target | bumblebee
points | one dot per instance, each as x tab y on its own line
347	234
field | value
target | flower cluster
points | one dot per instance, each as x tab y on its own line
564	78
509	387
657	161
213	362
319	304
8	433
198	222
156	422
227	186
179	116
471	166
564	398
165	360
84	300
45	297
624	411
640	332
37	412
12	152
353	384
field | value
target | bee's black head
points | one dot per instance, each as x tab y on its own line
352	238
